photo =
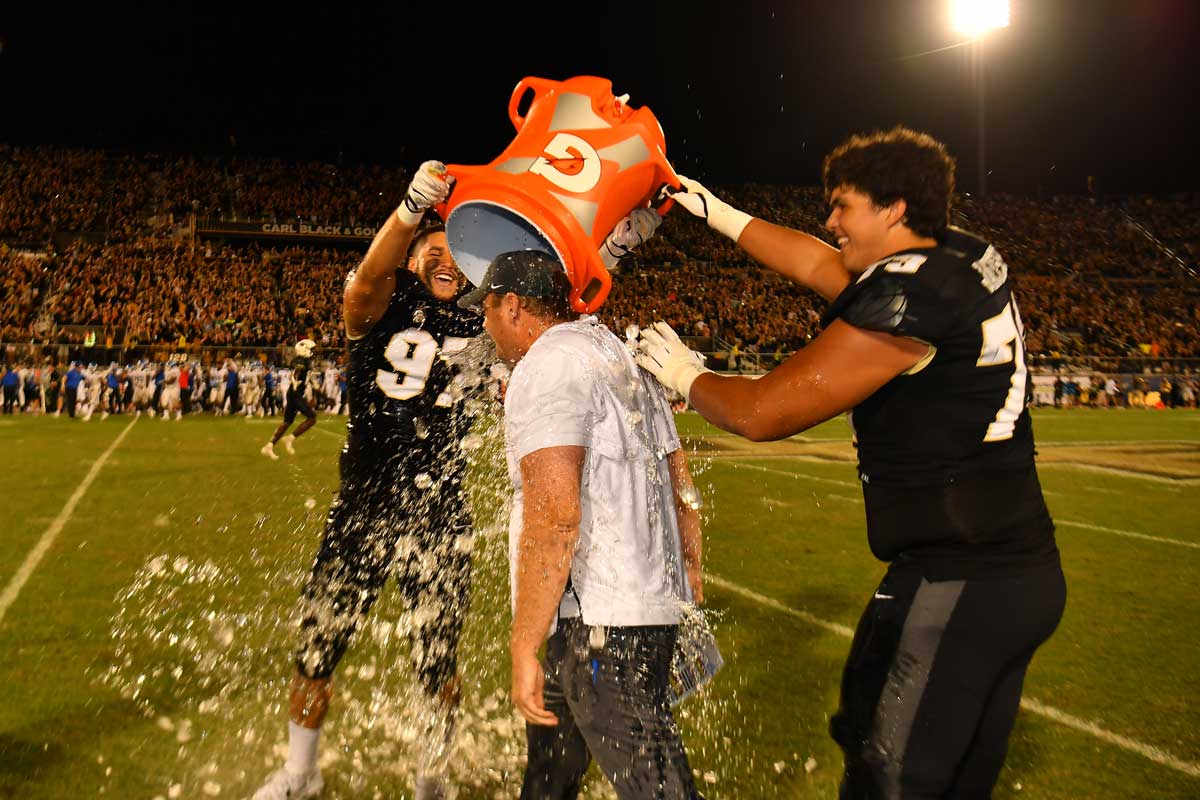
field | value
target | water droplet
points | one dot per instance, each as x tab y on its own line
423	481
310	503
223	634
470	442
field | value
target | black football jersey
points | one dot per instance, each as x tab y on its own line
946	452
300	374
401	409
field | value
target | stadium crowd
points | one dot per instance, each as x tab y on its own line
118	262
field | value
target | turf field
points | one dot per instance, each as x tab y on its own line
149	571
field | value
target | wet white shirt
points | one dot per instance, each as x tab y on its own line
578	385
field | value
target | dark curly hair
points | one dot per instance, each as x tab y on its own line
423	233
900	164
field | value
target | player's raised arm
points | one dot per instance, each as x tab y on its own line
797	256
369	288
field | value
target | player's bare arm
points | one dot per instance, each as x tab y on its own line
687	509
841	368
796	256
369	288
549	530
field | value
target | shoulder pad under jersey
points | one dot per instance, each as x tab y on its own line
895	303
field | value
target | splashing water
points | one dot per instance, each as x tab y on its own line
201	646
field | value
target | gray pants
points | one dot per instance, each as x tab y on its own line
612	704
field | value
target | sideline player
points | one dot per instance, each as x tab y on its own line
924	343
295	402
401	505
171	398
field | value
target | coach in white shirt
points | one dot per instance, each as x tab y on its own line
604	549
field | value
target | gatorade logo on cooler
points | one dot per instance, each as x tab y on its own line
570	163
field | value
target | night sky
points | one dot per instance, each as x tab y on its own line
746	91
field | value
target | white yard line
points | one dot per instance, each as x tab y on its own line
1130	534
1124	742
1067	523
733	462
1118	443
1123	473
718	458
763	600
338	436
1027	703
43	546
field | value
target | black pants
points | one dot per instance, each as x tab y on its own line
297	404
418	537
613	705
10	399
69	398
932	685
185	397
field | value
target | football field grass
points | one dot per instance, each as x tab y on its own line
149	572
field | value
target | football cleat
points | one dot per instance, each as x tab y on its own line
268	450
287	444
283	785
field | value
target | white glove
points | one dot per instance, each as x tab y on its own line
673	363
429	187
630	232
702	203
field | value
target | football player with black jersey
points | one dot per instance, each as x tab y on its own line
401	510
923	344
295	402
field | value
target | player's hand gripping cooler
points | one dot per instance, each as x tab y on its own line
582	160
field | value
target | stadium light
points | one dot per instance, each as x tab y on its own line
974	18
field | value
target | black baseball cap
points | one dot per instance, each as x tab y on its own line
527	273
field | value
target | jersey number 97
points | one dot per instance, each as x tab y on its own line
411	354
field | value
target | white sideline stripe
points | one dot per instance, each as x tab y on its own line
1131	534
43	546
329	433
1028	703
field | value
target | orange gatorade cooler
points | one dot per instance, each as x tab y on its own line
581	161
